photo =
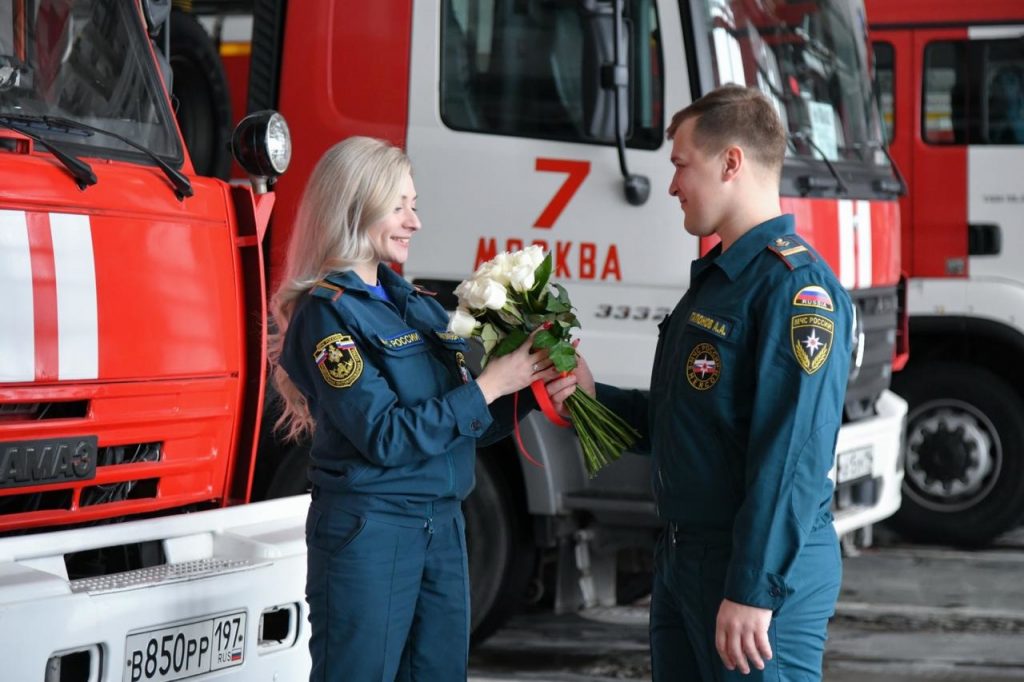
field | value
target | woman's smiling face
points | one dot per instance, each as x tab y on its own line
390	235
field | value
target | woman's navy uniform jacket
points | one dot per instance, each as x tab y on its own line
746	402
398	415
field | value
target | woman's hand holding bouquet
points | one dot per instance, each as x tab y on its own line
509	299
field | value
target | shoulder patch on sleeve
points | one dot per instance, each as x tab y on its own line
814	296
338	360
811	338
324	289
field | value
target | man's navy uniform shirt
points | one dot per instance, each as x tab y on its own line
746	401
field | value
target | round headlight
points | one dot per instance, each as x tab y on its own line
262	145
279	143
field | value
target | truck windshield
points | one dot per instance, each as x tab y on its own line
811	58
87	61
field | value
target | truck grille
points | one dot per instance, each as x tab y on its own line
116	486
876	330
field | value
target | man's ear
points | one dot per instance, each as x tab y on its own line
732	161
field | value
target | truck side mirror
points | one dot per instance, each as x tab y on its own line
262	145
606	85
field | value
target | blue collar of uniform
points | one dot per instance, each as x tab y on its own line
395	285
753	242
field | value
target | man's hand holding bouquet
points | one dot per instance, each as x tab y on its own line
509	298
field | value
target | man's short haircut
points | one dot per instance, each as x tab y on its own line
735	115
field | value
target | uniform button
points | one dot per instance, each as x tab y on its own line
775	592
476	425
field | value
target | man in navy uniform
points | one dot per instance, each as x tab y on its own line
744	410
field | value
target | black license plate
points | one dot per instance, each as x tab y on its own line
49	460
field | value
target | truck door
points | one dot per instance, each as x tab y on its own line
957	124
499	136
994	59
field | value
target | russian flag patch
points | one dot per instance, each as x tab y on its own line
814	296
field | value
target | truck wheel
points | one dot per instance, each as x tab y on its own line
289	477
964	480
201	90
501	556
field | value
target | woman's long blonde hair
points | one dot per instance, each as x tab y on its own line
355	184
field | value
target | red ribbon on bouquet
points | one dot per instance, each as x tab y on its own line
540	393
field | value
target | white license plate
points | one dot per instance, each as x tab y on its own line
185	650
854	464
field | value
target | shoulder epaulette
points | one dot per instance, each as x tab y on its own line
425	292
324	289
792	251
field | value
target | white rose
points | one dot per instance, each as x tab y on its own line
494	295
522	278
476	294
470	294
501	268
463	293
534	255
462	323
485	271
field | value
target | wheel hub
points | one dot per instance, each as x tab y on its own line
953	453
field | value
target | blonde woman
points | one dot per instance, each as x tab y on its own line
365	366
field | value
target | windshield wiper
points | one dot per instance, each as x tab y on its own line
885	184
182	185
811	182
80	170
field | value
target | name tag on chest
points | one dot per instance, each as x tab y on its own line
713	324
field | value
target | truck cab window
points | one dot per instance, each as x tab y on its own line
945	93
885	86
974	92
1004	121
517	67
86	61
810	58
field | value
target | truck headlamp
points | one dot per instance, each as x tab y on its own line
262	145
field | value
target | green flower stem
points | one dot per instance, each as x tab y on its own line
603	435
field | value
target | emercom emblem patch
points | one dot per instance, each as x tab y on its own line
703	367
338	360
811	336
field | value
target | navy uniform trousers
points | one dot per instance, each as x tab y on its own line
689	582
388	593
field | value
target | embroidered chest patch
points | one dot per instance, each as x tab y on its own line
703	367
338	360
814	297
811	337
410	338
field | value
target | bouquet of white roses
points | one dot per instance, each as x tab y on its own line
508	298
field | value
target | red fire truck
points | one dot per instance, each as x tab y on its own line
131	371
951	81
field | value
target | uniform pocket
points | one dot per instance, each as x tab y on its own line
332	530
406	364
